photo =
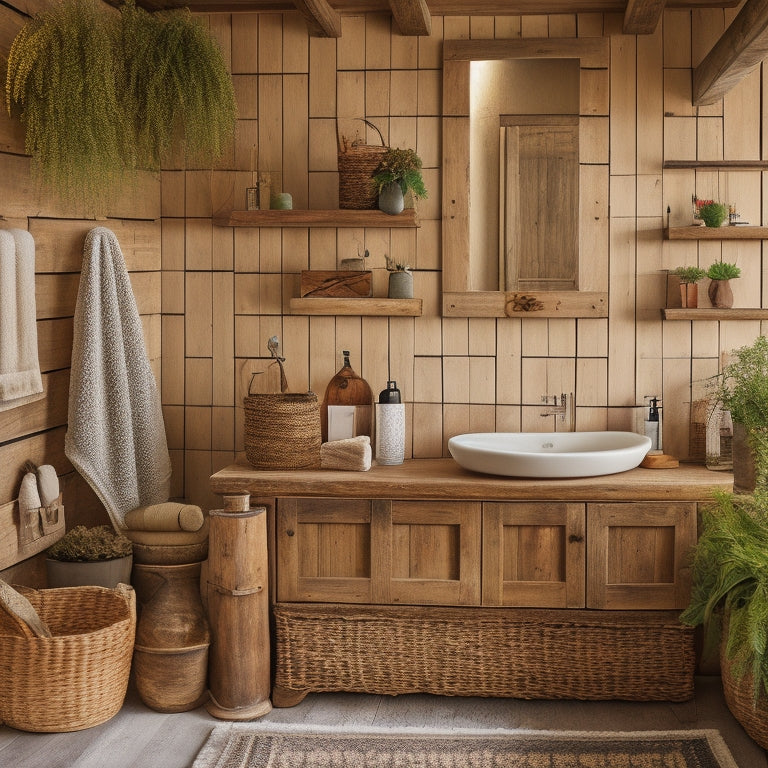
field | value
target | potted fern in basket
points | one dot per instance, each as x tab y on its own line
398	173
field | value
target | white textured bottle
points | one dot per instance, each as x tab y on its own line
390	426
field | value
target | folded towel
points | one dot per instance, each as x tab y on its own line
350	453
116	436
20	380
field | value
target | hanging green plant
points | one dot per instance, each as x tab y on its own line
178	91
62	82
103	94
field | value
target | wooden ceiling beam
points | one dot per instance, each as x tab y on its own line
739	50
642	16
411	16
321	19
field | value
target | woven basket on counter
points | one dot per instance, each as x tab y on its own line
77	678
463	651
357	163
282	431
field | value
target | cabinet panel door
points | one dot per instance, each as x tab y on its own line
637	555
430	554
533	554
324	550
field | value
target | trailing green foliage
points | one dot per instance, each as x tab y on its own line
62	81
713	214
722	270
85	545
730	572
690	274
103	94
743	390
402	166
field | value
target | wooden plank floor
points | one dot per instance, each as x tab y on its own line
141	738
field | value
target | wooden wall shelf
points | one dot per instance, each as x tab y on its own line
357	307
716	233
708	313
317	218
717	165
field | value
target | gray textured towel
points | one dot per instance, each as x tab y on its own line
20	380
116	436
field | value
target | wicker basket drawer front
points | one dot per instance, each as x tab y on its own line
518	653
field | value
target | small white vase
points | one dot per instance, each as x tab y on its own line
391	199
400	285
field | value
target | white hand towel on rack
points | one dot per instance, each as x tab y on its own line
20	380
116	435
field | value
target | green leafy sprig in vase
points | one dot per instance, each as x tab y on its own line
398	173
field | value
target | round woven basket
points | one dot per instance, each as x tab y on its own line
357	164
282	431
77	678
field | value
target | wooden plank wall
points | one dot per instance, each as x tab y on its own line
226	291
36	431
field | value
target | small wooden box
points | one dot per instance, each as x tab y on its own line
351	284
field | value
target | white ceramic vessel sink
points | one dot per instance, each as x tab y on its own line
549	454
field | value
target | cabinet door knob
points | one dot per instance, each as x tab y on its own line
289	532
573	538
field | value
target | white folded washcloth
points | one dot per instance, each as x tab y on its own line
20	380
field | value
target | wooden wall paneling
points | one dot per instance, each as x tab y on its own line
651	286
675	414
507	26
561	335
54	343
678	186
173	360
534	26
197	428
680	138
377	41
270	121
146	288
247	145
482	417
427	430
709	138
322	77
324	359
223	339
245	43
295	44
350	47
198	318
592	381
456	211
742	189
705	342
735	335
508	356
482	379
707	25
456	387
650	103
593	227
197	195
270	55
401	353
456	28
50	411
297	354
589	24
621	329
677	92
404	84
378	365
623	104
349	336
199	378
677	38
741	118
296	139
45	447
594	92
562	25
455	421
427	379
482	27
323	144
56	295
404	51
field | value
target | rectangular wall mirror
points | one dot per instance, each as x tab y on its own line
524	202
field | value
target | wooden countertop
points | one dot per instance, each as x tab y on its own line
445	479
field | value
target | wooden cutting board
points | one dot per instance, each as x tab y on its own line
347	388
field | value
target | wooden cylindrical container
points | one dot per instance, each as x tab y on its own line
238	613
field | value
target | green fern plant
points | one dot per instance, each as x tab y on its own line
103	94
730	572
402	166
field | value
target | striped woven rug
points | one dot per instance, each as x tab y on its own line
240	745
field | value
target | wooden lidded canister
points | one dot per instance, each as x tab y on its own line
353	397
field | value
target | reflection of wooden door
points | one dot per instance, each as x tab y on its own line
540	227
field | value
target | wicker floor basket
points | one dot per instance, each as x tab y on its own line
518	653
79	677
282	431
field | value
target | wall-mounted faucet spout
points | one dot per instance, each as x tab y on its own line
564	407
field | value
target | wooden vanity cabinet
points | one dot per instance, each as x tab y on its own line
378	551
615	556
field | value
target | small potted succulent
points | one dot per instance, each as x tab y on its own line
398	173
84	556
400	279
689	290
719	291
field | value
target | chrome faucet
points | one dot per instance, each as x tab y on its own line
562	408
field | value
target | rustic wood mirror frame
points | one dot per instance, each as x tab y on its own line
459	300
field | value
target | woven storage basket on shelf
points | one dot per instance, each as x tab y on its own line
357	163
77	678
282	431
504	652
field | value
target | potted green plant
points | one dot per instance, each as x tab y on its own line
713	214
398	173
85	556
719	291
689	290
102	95
730	594
743	390
400	279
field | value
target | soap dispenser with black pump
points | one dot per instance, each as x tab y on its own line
655	458
390	426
